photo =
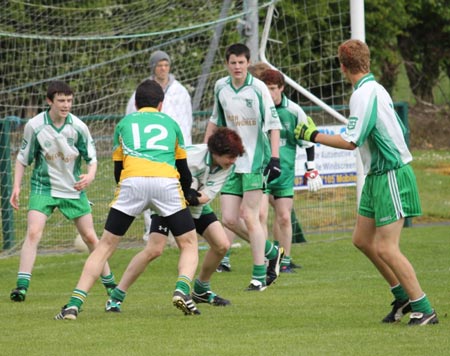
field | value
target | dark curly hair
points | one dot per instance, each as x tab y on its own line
225	142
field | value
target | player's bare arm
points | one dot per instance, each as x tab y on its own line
335	141
275	143
18	175
86	179
210	129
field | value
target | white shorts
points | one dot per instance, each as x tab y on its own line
162	195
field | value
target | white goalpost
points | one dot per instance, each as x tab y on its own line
341	171
290	81
357	25
102	50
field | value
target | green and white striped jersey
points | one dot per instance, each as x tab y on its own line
57	154
375	128
249	111
290	115
210	179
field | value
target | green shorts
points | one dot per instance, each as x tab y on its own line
283	186
238	183
390	196
279	192
70	208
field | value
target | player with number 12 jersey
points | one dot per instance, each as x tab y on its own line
147	148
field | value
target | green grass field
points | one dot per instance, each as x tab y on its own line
332	306
323	212
432	170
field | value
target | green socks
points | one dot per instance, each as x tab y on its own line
77	299
183	284
286	261
23	280
399	293
108	281
270	250
421	305
118	294
259	273
201	287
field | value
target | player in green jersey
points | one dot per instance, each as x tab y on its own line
210	166
243	103
148	155
389	194
289	114
281	190
57	142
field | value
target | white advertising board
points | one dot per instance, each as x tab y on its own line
336	167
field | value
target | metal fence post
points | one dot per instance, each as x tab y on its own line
6	185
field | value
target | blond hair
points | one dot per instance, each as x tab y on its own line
355	56
258	69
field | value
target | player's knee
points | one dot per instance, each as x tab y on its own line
230	222
263	217
187	241
223	247
152	252
158	252
219	244
90	239
284	220
34	235
359	243
386	251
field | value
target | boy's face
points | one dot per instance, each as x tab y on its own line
224	161
60	106
275	93
237	67
162	70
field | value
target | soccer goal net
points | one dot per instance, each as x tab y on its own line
102	49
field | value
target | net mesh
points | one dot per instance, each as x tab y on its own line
102	49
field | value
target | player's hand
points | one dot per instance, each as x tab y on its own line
312	178
14	200
84	182
273	169
191	196
306	132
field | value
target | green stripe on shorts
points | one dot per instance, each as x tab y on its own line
390	196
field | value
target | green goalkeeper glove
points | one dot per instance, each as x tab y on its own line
306	132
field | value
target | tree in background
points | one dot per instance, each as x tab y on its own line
385	21
425	45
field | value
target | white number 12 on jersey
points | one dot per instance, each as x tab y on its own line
161	134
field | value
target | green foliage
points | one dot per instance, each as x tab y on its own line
310	33
425	45
385	20
95	46
332	306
